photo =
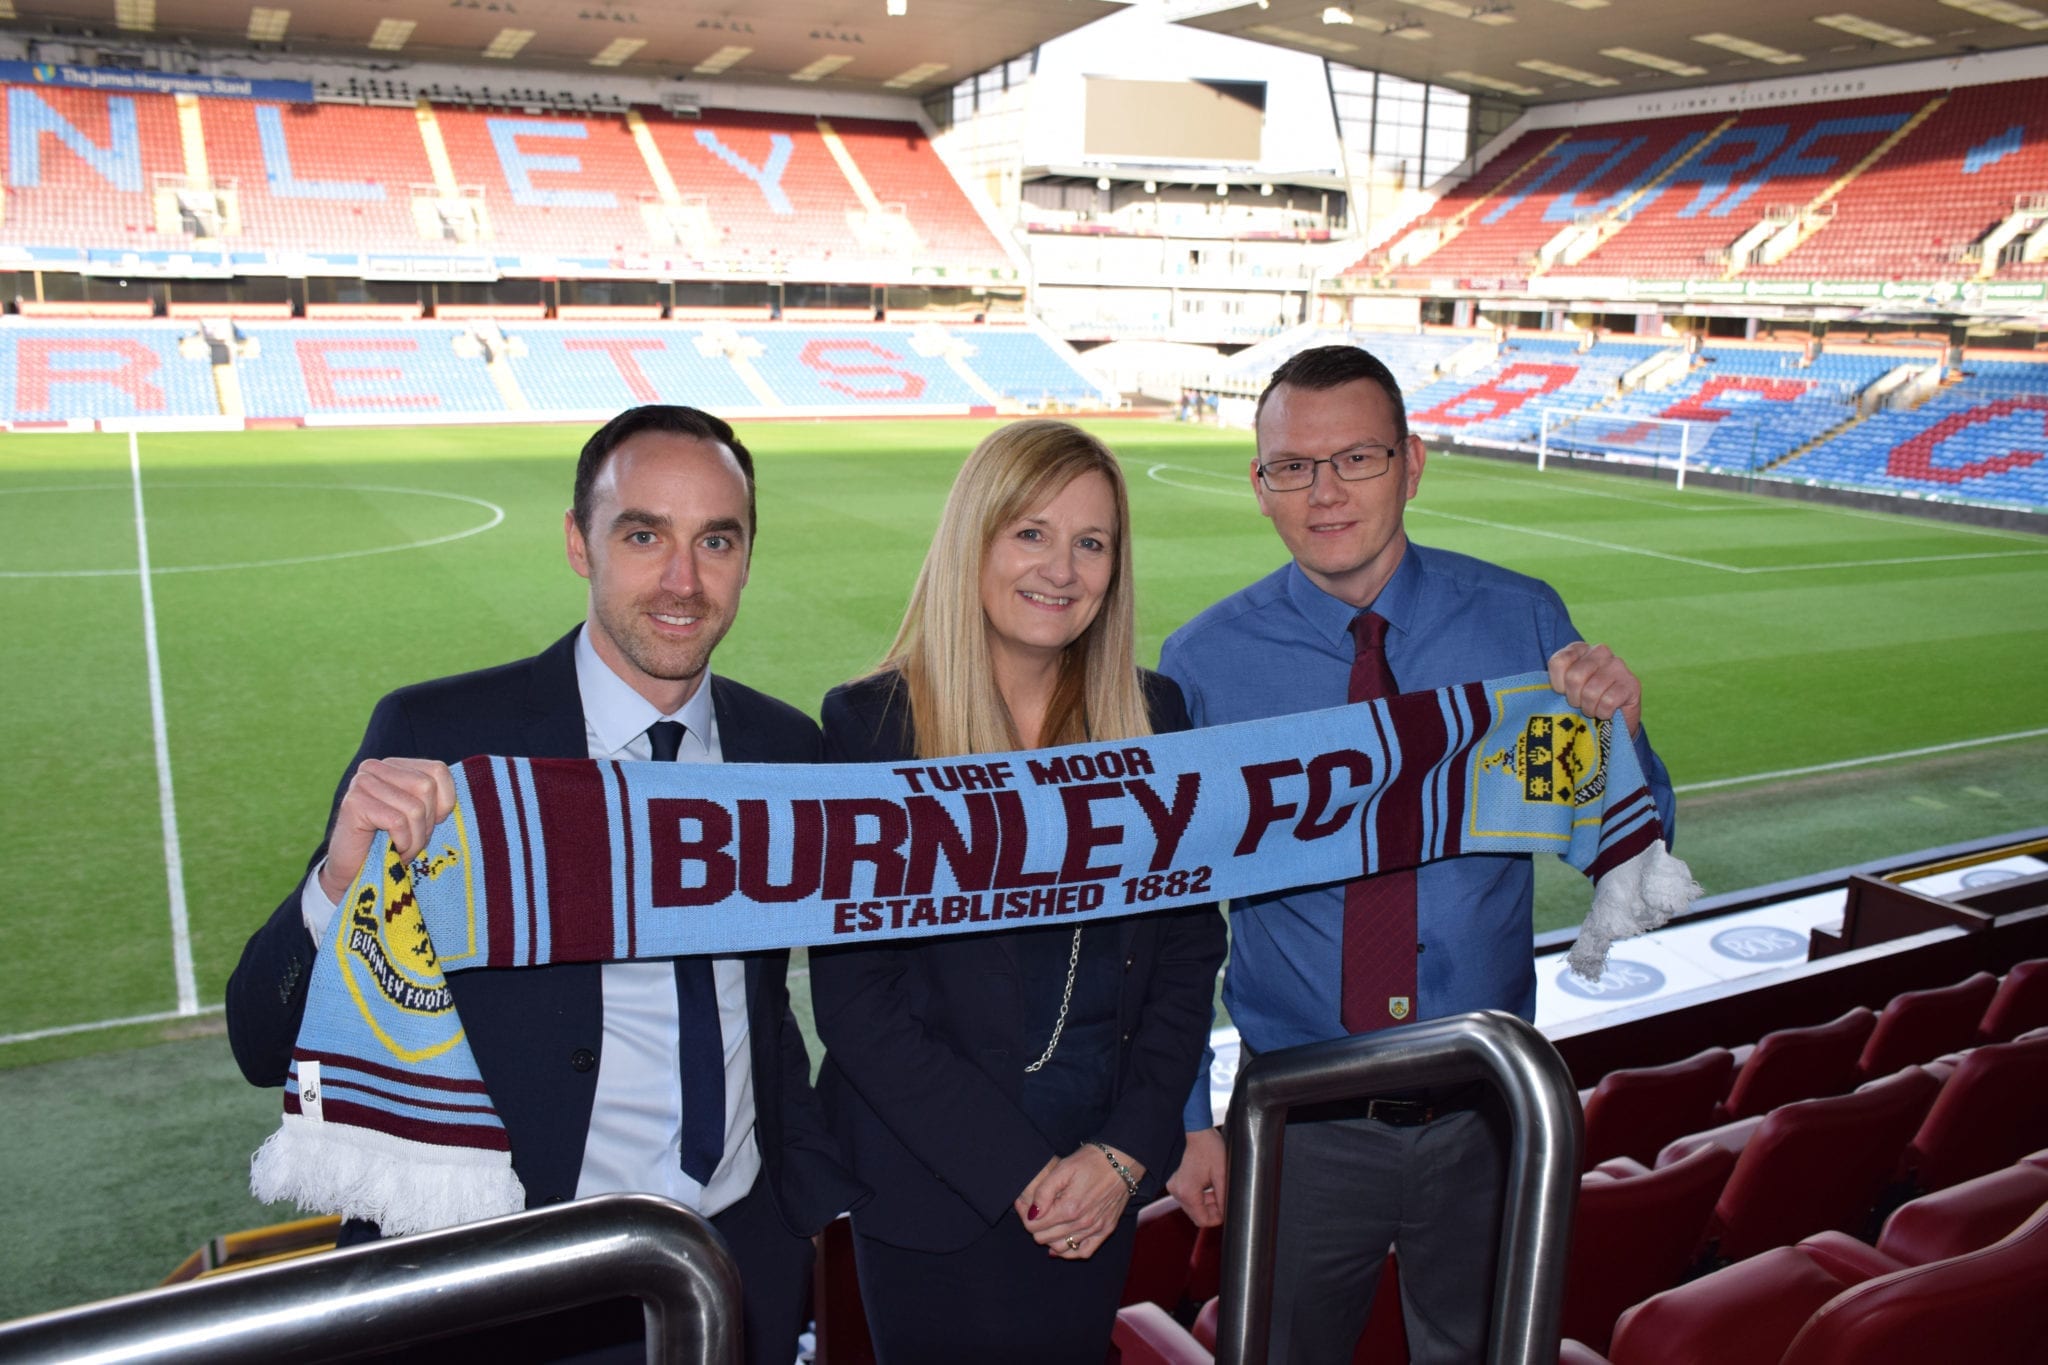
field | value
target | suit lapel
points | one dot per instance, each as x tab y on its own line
553	722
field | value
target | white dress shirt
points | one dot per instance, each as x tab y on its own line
636	1122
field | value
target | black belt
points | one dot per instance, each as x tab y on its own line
1423	1106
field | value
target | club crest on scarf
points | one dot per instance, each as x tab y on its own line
1557	759
389	949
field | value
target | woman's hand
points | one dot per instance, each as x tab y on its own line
1075	1203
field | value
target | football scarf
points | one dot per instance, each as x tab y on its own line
574	860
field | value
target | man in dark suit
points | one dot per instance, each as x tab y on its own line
685	1078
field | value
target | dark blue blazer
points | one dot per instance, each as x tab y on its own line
924	1047
538	1032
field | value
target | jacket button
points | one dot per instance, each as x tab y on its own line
583	1059
1130	961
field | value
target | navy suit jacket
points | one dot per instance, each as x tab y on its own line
924	1048
538	1032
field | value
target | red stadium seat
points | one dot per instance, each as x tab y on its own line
1985	1306
841	1320
1732	1137
1798	1064
1205	1267
1383	1342
1146	1335
1918	1026
1817	1164
1745	1313
1965	1216
1635	1237
1162	1256
1636	1111
2021	1003
1992	1112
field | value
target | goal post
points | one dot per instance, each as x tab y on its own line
1666	442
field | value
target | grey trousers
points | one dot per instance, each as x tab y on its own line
1350	1189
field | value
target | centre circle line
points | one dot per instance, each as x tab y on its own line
497	516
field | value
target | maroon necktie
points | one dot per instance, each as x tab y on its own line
1379	912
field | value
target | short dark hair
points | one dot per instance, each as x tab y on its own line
667	417
1329	367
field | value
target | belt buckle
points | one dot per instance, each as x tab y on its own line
1400	1113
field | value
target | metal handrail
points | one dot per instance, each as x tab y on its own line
1542	1176
407	1289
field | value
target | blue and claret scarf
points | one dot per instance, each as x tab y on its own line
573	860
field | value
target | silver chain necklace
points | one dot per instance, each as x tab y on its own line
1066	998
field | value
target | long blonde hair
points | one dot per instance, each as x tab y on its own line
942	647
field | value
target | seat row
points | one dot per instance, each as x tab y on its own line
1744	1168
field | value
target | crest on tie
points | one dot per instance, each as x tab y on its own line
1397	1006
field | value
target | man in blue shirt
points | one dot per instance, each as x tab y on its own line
1336	466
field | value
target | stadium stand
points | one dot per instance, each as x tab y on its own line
828	366
82	166
568	186
759	191
1810	192
902	169
51	372
1959	173
60	373
317	371
1752	406
586	369
319	176
728	188
1701	218
1503	403
1984	437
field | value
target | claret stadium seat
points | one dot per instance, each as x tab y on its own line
1984	1306
1799	1064
1817	1164
1635	1112
2021	1003
1991	1112
1918	1026
1636	1233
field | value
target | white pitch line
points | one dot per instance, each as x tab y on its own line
1863	762
174	861
98	1024
1577	540
497	517
1578	489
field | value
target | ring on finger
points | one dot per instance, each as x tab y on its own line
1073	1244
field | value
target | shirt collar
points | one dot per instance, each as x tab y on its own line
1331	617
617	715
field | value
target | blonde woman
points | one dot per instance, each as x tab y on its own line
1012	1098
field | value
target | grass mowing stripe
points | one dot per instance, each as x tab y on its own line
174	859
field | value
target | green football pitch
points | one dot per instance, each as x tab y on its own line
297	575
1827	686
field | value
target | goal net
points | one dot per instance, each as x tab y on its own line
1667	442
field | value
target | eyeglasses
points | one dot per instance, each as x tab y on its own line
1367	460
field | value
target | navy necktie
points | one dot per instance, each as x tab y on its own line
702	1043
1379	912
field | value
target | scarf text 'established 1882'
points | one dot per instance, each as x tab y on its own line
573	860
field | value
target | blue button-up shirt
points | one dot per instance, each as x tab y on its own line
1284	645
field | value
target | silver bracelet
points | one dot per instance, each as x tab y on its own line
1123	1171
